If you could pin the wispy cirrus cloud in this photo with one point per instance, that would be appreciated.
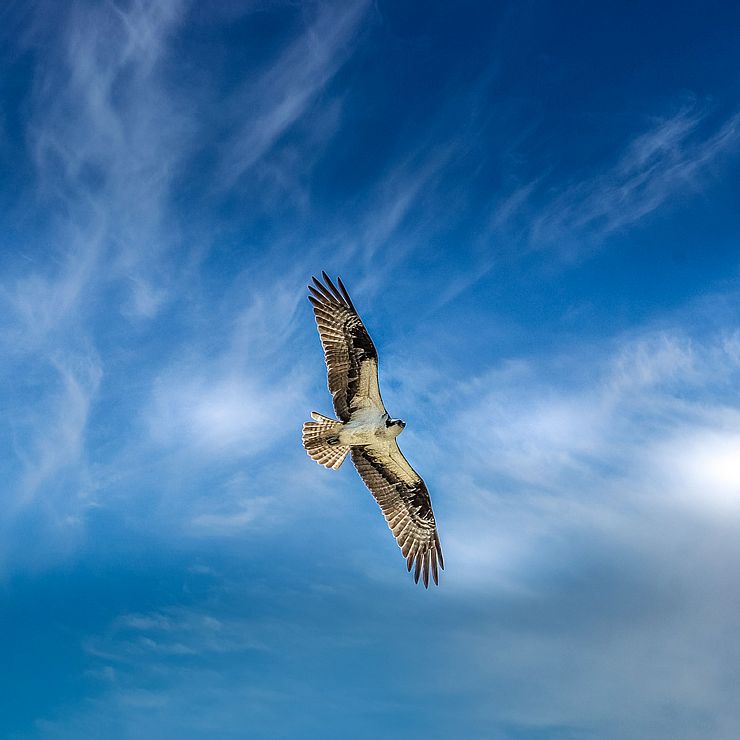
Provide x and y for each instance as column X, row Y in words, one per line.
column 648, row 425
column 674, row 159
column 109, row 135
column 268, row 105
column 107, row 138
column 47, row 461
column 242, row 396
column 671, row 159
column 104, row 140
column 588, row 438
column 63, row 420
column 173, row 631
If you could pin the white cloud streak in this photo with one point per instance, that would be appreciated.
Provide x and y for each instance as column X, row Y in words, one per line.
column 271, row 104
column 105, row 140
column 671, row 159
column 647, row 428
column 109, row 134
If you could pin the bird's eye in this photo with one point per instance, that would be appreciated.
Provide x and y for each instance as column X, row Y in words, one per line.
column 389, row 422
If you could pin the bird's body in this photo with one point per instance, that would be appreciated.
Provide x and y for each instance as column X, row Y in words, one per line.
column 367, row 426
column 367, row 432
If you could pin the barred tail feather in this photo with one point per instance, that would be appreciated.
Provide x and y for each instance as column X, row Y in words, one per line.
column 321, row 443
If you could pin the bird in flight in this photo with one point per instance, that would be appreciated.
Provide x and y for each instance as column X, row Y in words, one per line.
column 366, row 431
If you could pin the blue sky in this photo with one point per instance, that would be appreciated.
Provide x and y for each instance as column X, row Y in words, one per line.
column 534, row 206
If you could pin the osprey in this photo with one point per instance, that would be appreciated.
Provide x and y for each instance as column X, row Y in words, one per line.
column 366, row 431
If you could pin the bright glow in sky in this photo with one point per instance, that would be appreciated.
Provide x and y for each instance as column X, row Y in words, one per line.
column 708, row 465
column 534, row 207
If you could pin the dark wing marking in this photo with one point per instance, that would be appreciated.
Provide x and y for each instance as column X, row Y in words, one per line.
column 351, row 358
column 405, row 502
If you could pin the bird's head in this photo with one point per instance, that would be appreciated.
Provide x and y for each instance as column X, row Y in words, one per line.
column 396, row 425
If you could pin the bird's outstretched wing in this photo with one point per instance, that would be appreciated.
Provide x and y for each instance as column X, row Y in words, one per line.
column 351, row 357
column 405, row 502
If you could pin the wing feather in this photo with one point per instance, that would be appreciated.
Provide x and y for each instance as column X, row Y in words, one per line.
column 337, row 295
column 351, row 357
column 404, row 500
column 346, row 294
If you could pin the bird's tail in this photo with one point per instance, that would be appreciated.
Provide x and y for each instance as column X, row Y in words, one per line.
column 321, row 440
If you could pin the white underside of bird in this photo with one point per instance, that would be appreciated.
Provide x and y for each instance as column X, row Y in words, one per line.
column 368, row 427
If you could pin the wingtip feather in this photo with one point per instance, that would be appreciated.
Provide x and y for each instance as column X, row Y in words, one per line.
column 337, row 295
column 322, row 289
column 435, row 571
column 316, row 293
column 438, row 547
column 346, row 294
